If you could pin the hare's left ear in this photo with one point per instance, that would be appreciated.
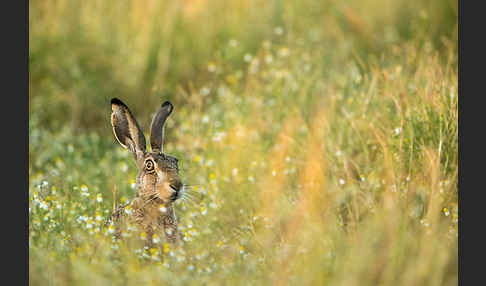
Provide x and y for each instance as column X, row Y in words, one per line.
column 126, row 129
column 157, row 129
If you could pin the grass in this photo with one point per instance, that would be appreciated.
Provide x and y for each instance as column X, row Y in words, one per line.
column 322, row 138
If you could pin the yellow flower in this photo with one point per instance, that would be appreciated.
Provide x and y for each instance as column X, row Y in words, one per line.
column 212, row 176
column 197, row 159
column 162, row 208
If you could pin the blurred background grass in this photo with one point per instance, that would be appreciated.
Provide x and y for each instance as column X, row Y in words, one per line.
column 322, row 134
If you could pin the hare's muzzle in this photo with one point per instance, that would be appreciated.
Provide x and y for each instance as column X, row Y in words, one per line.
column 176, row 191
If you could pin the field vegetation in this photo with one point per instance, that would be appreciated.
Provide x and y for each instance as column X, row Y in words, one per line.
column 320, row 136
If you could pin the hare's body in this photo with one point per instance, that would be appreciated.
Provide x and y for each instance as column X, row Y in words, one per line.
column 157, row 182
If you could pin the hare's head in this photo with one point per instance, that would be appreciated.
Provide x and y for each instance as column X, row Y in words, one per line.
column 158, row 173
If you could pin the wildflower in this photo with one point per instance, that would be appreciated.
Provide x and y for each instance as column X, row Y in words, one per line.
column 123, row 199
column 247, row 57
column 212, row 176
column 84, row 188
column 162, row 208
column 204, row 91
column 168, row 231
column 187, row 236
column 278, row 30
column 143, row 236
column 190, row 267
column 342, row 181
column 197, row 159
column 166, row 248
column 98, row 216
column 446, row 212
column 251, row 179
column 398, row 130
column 89, row 223
column 205, row 119
column 155, row 238
column 235, row 171
column 204, row 211
column 218, row 136
column 283, row 52
column 274, row 173
column 211, row 67
column 233, row 43
column 268, row 59
column 241, row 249
column 362, row 177
column 44, row 205
column 99, row 198
column 128, row 209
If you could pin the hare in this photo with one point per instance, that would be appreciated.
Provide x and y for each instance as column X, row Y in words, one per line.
column 158, row 184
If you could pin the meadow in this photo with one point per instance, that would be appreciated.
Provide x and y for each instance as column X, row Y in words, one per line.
column 320, row 136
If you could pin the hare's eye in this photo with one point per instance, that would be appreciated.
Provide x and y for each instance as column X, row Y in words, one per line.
column 149, row 165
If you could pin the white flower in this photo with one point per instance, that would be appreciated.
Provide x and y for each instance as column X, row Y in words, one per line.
column 278, row 30
column 283, row 52
column 205, row 119
column 204, row 91
column 211, row 67
column 247, row 58
column 398, row 130
column 342, row 181
column 235, row 171
column 233, row 43
column 162, row 208
column 44, row 205
column 268, row 59
column 218, row 136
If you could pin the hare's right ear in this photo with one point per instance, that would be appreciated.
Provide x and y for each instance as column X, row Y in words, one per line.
column 125, row 127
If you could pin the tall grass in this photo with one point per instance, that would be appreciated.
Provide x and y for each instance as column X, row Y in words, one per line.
column 321, row 136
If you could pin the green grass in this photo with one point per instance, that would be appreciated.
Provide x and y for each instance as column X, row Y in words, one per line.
column 322, row 137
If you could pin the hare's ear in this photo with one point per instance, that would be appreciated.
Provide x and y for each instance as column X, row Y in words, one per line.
column 157, row 129
column 126, row 129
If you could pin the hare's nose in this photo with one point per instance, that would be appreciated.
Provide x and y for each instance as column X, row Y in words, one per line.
column 175, row 187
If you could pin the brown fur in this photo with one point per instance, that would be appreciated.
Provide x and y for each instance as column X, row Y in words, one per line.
column 157, row 181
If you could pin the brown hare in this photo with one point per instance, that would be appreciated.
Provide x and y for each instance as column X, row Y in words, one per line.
column 157, row 183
